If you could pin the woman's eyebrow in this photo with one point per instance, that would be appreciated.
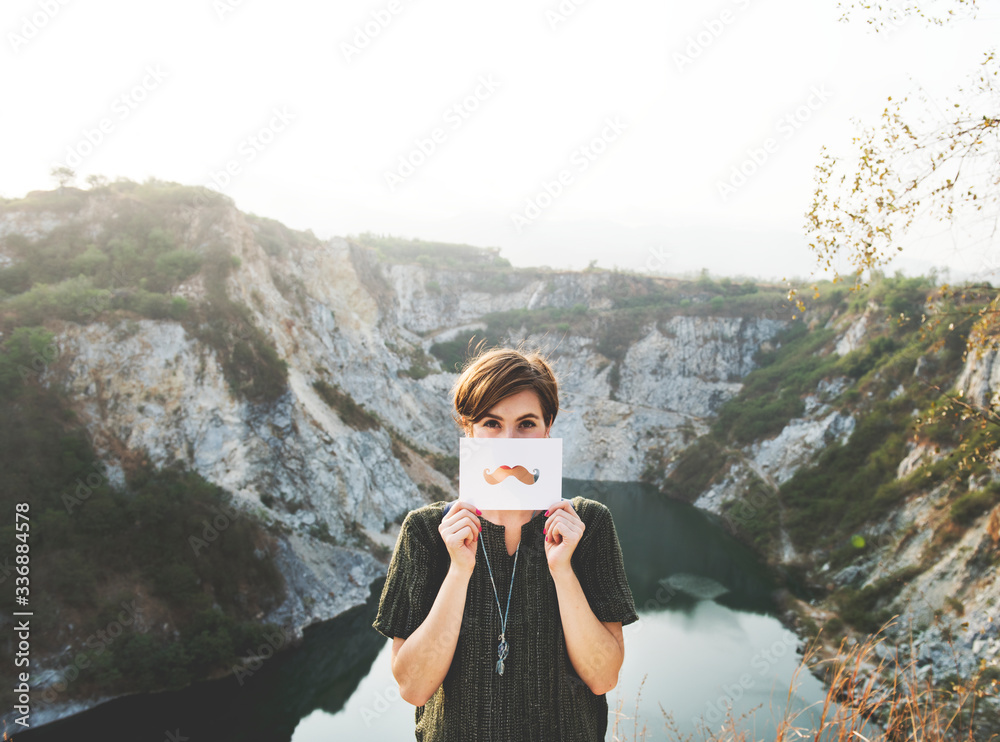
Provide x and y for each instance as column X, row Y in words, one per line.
column 498, row 417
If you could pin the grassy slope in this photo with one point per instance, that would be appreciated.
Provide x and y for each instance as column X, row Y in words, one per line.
column 851, row 487
column 95, row 547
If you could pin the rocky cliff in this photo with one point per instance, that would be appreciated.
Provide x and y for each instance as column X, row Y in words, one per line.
column 361, row 431
column 148, row 385
column 330, row 490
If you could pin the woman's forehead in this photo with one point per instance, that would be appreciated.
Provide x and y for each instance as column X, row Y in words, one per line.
column 518, row 404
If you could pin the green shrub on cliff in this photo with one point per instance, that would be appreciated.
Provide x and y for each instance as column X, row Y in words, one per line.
column 969, row 506
column 82, row 270
column 167, row 536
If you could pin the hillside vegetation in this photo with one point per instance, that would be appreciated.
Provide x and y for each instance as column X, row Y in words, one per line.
column 95, row 547
column 897, row 385
column 201, row 571
column 205, row 573
column 125, row 253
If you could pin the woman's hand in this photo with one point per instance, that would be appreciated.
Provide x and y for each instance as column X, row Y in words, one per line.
column 563, row 531
column 460, row 530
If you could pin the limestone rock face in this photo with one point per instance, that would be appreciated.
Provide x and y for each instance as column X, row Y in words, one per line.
column 695, row 364
column 980, row 378
column 340, row 318
column 428, row 300
column 853, row 336
column 953, row 607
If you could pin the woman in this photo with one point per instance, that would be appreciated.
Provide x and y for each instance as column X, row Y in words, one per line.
column 507, row 625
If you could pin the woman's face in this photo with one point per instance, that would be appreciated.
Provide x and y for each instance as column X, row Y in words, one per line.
column 516, row 416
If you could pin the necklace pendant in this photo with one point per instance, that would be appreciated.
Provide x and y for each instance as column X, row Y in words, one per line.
column 503, row 650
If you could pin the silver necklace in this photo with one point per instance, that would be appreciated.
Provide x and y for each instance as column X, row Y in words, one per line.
column 503, row 648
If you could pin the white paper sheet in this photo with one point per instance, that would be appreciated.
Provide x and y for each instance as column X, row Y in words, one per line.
column 510, row 473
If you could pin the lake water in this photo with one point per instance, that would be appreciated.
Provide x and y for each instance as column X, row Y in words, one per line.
column 707, row 638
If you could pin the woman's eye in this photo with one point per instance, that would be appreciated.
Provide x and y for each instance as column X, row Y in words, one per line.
column 491, row 424
column 528, row 424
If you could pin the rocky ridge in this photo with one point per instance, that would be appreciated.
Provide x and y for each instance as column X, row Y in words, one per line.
column 338, row 315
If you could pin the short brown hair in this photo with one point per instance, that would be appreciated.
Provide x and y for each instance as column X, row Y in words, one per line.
column 493, row 375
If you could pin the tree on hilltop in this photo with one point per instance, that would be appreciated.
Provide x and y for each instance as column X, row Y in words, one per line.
column 63, row 175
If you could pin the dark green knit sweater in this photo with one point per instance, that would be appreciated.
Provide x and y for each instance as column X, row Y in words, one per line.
column 539, row 697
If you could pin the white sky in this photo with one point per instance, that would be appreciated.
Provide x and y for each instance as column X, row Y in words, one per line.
column 650, row 200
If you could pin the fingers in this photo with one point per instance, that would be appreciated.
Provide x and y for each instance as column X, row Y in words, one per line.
column 562, row 506
column 463, row 513
column 464, row 528
column 563, row 530
column 459, row 505
column 460, row 525
column 566, row 505
column 563, row 523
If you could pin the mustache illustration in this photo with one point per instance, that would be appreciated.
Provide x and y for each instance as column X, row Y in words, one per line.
column 518, row 472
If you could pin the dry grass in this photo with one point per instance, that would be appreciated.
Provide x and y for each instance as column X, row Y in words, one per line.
column 868, row 699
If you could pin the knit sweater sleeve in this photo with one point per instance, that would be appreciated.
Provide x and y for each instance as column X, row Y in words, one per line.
column 599, row 566
column 410, row 587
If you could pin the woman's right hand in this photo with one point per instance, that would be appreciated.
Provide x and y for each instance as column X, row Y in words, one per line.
column 460, row 530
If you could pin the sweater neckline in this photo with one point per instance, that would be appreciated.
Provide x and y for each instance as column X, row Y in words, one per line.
column 495, row 535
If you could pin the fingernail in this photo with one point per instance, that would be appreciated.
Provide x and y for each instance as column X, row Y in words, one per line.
column 545, row 530
column 478, row 511
column 546, row 512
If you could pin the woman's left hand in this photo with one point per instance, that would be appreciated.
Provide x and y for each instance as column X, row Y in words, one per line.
column 563, row 531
